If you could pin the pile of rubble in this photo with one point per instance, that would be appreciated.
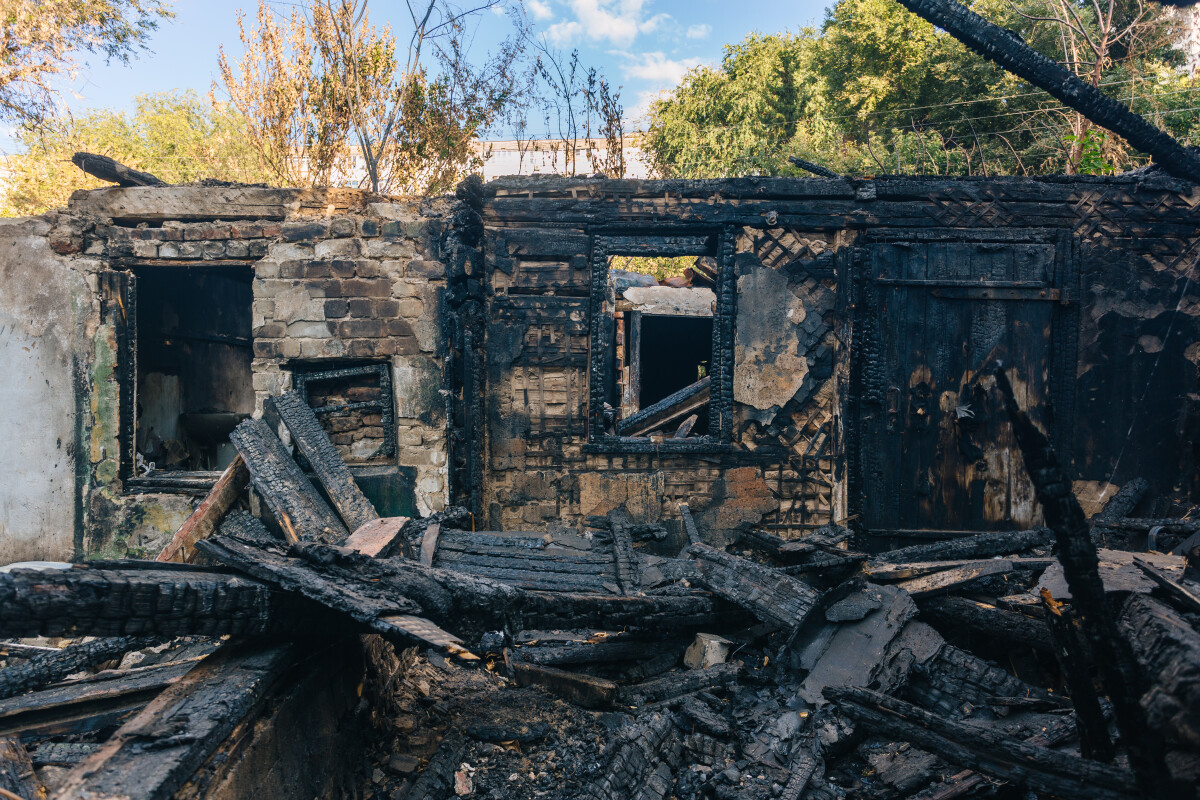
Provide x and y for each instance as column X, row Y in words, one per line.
column 616, row 662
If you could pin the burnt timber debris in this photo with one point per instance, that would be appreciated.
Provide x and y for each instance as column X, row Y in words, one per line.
column 445, row 501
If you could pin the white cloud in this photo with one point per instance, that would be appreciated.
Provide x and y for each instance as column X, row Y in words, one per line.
column 615, row 21
column 657, row 68
column 540, row 10
column 698, row 31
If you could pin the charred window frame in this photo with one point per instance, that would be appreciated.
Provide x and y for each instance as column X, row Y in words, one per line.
column 135, row 293
column 717, row 244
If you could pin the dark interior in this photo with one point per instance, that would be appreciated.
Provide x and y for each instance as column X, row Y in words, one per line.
column 193, row 364
column 676, row 352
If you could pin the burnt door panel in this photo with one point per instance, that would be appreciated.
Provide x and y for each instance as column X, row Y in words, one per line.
column 936, row 452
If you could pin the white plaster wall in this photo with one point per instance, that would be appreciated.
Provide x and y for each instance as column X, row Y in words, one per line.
column 37, row 396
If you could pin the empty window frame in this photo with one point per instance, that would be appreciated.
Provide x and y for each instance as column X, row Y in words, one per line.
column 662, row 355
column 188, row 348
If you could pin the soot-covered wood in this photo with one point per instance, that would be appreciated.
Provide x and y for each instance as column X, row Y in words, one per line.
column 768, row 594
column 985, row 750
column 313, row 443
column 293, row 501
column 49, row 667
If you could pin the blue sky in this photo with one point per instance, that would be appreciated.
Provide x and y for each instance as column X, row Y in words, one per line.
column 642, row 45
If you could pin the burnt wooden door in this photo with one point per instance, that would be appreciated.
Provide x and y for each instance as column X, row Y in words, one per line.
column 936, row 312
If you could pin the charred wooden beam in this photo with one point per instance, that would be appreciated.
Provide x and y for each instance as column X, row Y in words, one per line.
column 50, row 667
column 101, row 701
column 1168, row 648
column 623, row 556
column 312, row 442
column 634, row 759
column 815, row 169
column 955, row 678
column 152, row 755
column 965, row 782
column 17, row 778
column 583, row 690
column 149, row 601
column 1080, row 562
column 550, row 648
column 679, row 684
column 204, row 521
column 768, row 594
column 1094, row 741
column 689, row 525
column 985, row 750
column 983, row 545
column 1123, row 502
column 1178, row 594
column 1006, row 627
column 113, row 171
column 1001, row 46
column 673, row 407
column 294, row 503
column 949, row 580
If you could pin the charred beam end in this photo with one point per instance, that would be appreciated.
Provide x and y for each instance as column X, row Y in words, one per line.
column 679, row 404
column 815, row 169
column 113, row 171
column 49, row 667
column 142, row 602
column 984, row 750
column 768, row 594
column 1080, row 563
column 1001, row 46
column 157, row 751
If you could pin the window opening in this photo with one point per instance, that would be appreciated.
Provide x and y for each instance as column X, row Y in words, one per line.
column 353, row 402
column 193, row 375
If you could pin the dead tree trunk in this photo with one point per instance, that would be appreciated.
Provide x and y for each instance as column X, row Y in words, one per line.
column 1008, row 51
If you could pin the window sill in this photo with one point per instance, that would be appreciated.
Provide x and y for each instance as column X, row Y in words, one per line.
column 622, row 445
column 172, row 482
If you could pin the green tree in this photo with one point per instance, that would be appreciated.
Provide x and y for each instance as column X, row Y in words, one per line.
column 877, row 90
column 44, row 40
column 178, row 136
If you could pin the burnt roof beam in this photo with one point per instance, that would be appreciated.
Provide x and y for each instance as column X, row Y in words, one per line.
column 1010, row 52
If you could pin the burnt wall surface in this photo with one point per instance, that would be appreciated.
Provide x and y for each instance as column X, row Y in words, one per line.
column 1098, row 270
column 338, row 279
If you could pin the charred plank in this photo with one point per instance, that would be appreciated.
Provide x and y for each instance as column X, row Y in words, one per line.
column 296, row 507
column 768, row 594
column 50, row 667
column 113, row 171
column 983, row 545
column 312, row 442
column 204, row 521
column 985, row 750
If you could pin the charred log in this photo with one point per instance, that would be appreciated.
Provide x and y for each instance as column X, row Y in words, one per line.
column 50, row 667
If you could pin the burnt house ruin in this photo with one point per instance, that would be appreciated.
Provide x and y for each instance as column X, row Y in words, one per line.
column 835, row 347
column 478, row 386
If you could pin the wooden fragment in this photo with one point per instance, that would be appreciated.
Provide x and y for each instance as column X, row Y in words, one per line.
column 312, row 442
column 768, row 594
column 113, row 171
column 678, row 684
column 673, row 407
column 1008, row 627
column 986, row 750
column 429, row 543
column 1094, row 741
column 583, row 690
column 1179, row 594
column 953, row 578
column 685, row 428
column 624, row 560
column 887, row 573
column 17, row 778
column 18, row 650
column 293, row 501
column 689, row 525
column 91, row 704
column 50, row 667
column 635, row 761
column 203, row 522
column 155, row 753
column 982, row 545
column 376, row 536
